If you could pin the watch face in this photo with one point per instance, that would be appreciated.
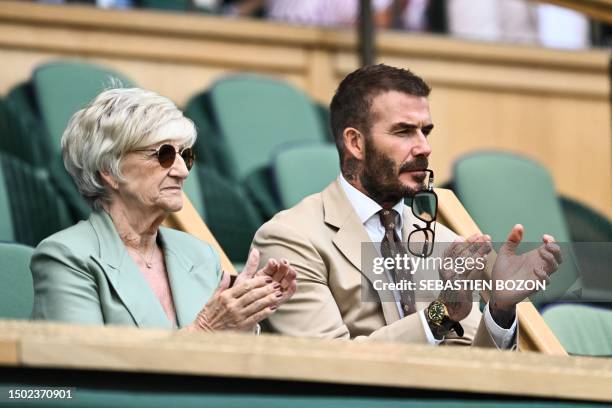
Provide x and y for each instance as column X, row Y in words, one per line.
column 436, row 312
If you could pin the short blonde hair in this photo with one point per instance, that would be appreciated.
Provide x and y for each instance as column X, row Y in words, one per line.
column 115, row 123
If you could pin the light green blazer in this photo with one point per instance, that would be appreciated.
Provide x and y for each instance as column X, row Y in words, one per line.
column 84, row 274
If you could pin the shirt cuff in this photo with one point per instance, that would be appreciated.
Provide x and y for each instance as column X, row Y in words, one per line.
column 430, row 337
column 503, row 338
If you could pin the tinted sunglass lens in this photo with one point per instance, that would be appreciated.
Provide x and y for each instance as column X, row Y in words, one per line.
column 424, row 206
column 188, row 157
column 166, row 156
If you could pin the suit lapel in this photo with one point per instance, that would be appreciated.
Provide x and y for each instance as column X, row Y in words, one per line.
column 187, row 292
column 124, row 276
column 351, row 233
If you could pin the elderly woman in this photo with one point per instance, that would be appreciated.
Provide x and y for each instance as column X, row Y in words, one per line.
column 129, row 152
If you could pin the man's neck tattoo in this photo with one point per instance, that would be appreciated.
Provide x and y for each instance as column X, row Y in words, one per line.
column 350, row 169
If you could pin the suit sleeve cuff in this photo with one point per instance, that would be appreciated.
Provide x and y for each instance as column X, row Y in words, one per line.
column 503, row 338
column 430, row 337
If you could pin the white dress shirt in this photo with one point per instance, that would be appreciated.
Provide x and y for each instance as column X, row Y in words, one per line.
column 367, row 211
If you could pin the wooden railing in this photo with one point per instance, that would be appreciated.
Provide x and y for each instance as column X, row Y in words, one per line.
column 35, row 345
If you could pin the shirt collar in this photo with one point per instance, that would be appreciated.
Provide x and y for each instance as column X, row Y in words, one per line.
column 364, row 206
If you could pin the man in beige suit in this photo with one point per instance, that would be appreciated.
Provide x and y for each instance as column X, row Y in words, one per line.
column 381, row 122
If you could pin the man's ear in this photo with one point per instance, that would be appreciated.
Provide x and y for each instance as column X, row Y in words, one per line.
column 108, row 180
column 354, row 142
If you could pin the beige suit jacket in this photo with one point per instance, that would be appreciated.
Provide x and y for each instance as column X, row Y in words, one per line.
column 322, row 237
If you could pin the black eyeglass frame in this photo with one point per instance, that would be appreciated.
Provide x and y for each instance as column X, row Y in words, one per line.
column 427, row 246
column 189, row 160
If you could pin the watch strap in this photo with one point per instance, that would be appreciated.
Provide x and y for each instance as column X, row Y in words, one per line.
column 456, row 326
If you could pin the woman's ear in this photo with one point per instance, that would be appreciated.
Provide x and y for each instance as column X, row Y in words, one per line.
column 354, row 142
column 108, row 180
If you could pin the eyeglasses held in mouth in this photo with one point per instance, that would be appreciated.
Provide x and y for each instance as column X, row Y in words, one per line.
column 425, row 208
column 166, row 154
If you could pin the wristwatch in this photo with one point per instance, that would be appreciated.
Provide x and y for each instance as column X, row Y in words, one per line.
column 439, row 321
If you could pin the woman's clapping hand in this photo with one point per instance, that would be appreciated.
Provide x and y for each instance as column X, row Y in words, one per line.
column 255, row 295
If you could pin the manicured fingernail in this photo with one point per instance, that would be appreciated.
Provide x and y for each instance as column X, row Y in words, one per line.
column 276, row 286
column 268, row 280
column 279, row 295
column 285, row 262
column 273, row 307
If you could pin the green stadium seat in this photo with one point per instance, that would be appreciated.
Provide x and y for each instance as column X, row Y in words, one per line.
column 63, row 87
column 60, row 89
column 21, row 134
column 585, row 225
column 234, row 228
column 208, row 145
column 581, row 329
column 22, row 97
column 30, row 209
column 7, row 231
column 225, row 208
column 229, row 214
column 193, row 189
column 253, row 116
column 16, row 288
column 501, row 189
column 324, row 115
column 178, row 5
column 303, row 169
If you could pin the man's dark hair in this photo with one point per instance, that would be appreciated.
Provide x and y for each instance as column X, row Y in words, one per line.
column 350, row 106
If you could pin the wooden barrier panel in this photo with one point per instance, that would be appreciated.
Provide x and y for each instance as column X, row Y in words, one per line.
column 8, row 352
column 464, row 369
column 550, row 105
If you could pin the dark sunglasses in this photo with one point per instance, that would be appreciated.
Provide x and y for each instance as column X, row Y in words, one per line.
column 166, row 154
column 425, row 208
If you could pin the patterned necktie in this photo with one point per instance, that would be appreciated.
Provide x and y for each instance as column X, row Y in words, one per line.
column 390, row 247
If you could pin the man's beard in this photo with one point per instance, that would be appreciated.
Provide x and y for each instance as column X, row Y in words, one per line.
column 380, row 179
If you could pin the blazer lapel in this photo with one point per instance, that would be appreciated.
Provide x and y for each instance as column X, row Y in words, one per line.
column 124, row 276
column 351, row 233
column 187, row 292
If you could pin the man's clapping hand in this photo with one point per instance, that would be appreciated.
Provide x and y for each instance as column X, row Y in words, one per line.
column 537, row 264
